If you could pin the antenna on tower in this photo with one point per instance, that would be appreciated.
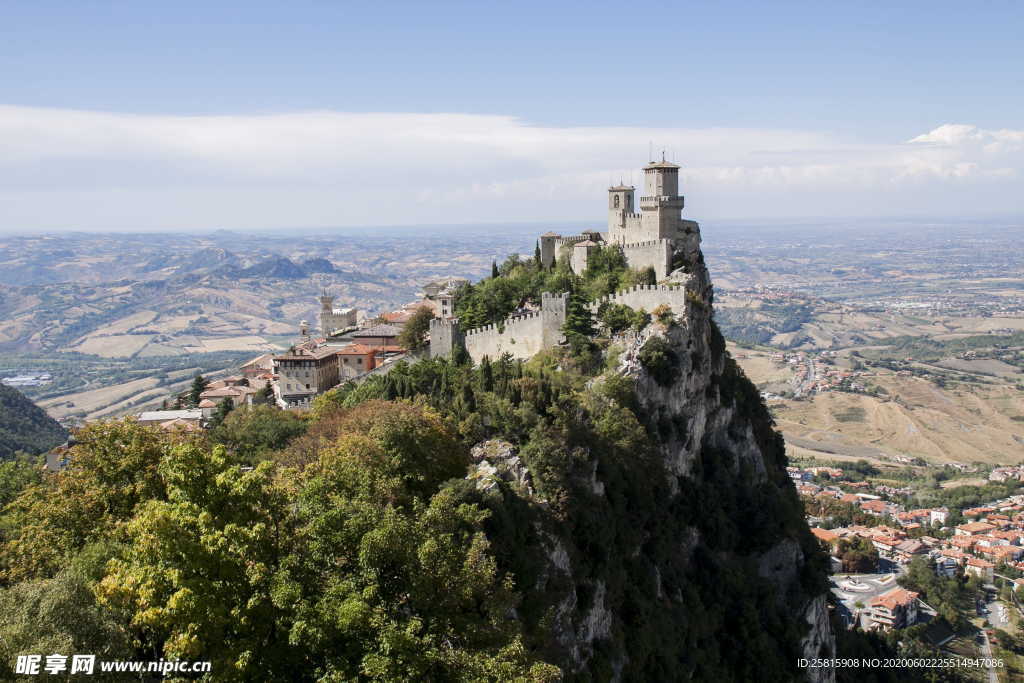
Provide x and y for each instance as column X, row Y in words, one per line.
column 650, row 150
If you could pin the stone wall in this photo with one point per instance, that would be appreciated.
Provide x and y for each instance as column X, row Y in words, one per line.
column 521, row 336
column 647, row 297
column 444, row 335
column 656, row 254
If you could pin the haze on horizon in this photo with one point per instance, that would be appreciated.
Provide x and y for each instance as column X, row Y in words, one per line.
column 255, row 117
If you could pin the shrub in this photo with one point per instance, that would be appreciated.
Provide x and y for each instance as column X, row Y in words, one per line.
column 660, row 361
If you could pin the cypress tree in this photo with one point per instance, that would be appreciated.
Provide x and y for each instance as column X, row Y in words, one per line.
column 494, row 269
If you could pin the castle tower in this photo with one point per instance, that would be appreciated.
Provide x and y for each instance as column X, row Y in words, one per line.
column 326, row 313
column 661, row 204
column 620, row 205
column 548, row 245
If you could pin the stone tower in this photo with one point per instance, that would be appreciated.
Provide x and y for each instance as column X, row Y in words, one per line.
column 548, row 247
column 620, row 207
column 661, row 204
column 326, row 313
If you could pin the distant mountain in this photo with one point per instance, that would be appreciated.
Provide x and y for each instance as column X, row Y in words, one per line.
column 201, row 260
column 24, row 426
column 319, row 265
column 277, row 267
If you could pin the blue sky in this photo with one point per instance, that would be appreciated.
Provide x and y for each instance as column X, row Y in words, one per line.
column 854, row 77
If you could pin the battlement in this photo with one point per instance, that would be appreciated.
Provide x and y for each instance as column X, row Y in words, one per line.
column 522, row 335
column 647, row 297
column 572, row 239
column 649, row 243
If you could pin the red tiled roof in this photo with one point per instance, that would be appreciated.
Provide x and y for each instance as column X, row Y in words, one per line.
column 897, row 597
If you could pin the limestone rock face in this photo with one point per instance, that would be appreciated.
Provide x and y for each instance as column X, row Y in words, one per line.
column 714, row 440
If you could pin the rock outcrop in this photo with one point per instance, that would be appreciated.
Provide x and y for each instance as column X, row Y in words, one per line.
column 718, row 537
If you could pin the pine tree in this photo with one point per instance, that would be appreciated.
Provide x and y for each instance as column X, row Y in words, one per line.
column 223, row 408
column 486, row 374
column 579, row 324
column 199, row 385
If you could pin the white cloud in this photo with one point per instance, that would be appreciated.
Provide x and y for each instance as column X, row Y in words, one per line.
column 92, row 170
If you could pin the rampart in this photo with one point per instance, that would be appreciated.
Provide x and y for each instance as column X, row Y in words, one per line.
column 647, row 297
column 656, row 253
column 522, row 336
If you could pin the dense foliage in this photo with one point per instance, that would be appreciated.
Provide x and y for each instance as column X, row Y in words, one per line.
column 519, row 282
column 24, row 426
column 363, row 542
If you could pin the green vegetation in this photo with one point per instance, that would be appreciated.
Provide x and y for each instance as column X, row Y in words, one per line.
column 761, row 325
column 519, row 282
column 952, row 597
column 926, row 348
column 357, row 547
column 199, row 384
column 25, row 426
column 660, row 361
column 414, row 332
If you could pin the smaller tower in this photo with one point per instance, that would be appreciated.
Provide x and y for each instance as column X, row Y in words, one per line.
column 548, row 243
column 620, row 204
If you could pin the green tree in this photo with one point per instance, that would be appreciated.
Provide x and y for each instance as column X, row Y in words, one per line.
column 199, row 384
column 494, row 270
column 220, row 412
column 112, row 469
column 579, row 324
column 254, row 433
column 61, row 614
column 204, row 575
column 15, row 476
column 414, row 333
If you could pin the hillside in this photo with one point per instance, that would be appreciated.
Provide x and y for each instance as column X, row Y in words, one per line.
column 24, row 426
column 613, row 509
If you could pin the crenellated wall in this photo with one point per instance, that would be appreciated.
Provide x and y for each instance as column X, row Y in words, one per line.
column 655, row 253
column 521, row 336
column 647, row 297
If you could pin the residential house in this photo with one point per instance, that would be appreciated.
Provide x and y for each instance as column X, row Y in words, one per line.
column 979, row 567
column 896, row 608
column 355, row 360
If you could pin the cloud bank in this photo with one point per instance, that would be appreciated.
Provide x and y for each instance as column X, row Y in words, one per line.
column 67, row 169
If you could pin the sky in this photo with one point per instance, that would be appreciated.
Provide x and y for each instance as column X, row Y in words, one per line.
column 206, row 115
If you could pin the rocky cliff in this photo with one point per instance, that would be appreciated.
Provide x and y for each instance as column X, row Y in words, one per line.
column 686, row 557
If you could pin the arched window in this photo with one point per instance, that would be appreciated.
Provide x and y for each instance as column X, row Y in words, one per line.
column 616, row 201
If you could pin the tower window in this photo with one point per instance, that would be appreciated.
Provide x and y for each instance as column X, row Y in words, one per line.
column 616, row 201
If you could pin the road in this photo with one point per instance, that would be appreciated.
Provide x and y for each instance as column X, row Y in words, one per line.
column 986, row 651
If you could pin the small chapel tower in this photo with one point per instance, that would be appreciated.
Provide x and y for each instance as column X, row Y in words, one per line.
column 620, row 207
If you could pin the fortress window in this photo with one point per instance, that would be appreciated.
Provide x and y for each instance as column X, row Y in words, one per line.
column 616, row 201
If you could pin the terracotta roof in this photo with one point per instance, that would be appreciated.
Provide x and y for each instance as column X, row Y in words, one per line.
column 586, row 243
column 550, row 234
column 207, row 403
column 978, row 562
column 976, row 527
column 897, row 597
column 824, row 534
column 356, row 350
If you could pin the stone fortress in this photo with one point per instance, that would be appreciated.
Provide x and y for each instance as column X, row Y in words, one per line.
column 657, row 237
